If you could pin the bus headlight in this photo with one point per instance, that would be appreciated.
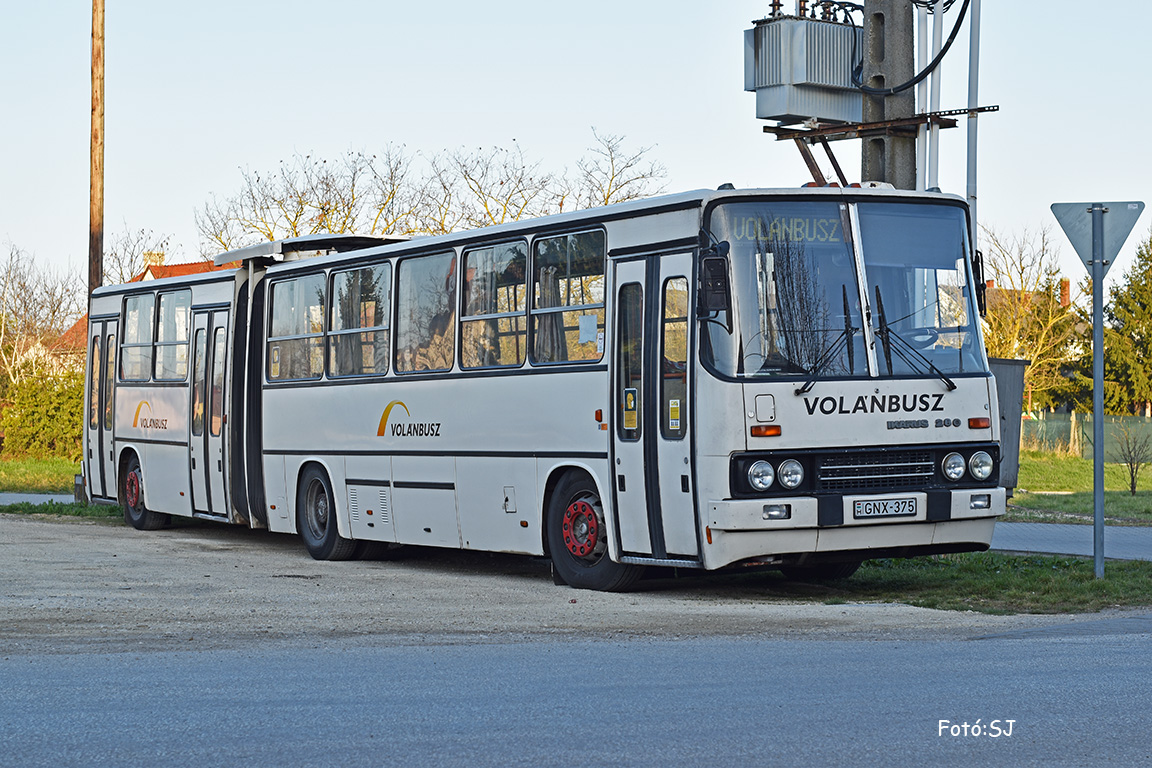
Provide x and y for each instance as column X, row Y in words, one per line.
column 791, row 473
column 953, row 466
column 761, row 475
column 980, row 465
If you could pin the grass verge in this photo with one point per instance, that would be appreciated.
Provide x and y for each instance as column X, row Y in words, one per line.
column 37, row 475
column 1056, row 488
column 987, row 582
column 91, row 511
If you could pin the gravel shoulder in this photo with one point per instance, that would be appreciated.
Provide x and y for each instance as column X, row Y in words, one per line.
column 73, row 586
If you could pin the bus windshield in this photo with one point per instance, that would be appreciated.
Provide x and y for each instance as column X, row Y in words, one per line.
column 796, row 291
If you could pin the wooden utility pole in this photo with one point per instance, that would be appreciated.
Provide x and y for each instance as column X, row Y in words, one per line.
column 96, row 179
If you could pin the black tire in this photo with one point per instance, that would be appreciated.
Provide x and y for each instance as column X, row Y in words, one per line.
column 821, row 572
column 577, row 538
column 135, row 513
column 316, row 518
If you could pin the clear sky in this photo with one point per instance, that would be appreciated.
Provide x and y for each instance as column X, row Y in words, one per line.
column 197, row 91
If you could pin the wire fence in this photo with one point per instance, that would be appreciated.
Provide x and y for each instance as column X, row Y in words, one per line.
column 1071, row 433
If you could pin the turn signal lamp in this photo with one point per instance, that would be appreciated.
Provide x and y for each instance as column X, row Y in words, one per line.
column 765, row 430
column 979, row 422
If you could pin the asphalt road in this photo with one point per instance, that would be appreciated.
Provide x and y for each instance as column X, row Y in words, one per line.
column 204, row 645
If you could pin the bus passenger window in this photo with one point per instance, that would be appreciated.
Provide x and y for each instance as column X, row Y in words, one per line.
column 568, row 298
column 136, row 349
column 493, row 326
column 674, row 360
column 296, row 330
column 426, row 313
column 358, row 330
column 172, row 336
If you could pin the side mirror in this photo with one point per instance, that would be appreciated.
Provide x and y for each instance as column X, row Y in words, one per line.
column 981, row 286
column 715, row 294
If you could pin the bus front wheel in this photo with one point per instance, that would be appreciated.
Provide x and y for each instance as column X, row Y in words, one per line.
column 135, row 513
column 316, row 518
column 578, row 538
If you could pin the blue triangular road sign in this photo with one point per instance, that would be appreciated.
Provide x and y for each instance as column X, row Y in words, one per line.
column 1076, row 221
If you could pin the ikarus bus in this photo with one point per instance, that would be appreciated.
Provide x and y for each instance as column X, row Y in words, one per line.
column 792, row 378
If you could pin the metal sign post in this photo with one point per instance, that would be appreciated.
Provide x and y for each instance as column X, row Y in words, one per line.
column 1097, row 241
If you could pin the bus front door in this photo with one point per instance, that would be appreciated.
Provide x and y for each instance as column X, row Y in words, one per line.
column 652, row 483
column 206, row 442
column 100, row 456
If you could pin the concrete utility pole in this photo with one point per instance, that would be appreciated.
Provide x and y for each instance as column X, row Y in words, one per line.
column 96, row 178
column 889, row 60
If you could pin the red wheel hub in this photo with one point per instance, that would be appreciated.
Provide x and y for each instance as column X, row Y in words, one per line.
column 581, row 529
column 132, row 489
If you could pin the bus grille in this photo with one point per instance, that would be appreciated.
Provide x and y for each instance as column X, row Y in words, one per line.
column 875, row 470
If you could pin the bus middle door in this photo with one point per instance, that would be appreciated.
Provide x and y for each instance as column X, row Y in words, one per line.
column 206, row 443
column 655, row 506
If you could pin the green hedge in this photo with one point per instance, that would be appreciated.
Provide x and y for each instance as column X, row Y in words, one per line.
column 44, row 417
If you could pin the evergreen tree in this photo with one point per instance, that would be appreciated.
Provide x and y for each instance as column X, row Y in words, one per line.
column 1128, row 315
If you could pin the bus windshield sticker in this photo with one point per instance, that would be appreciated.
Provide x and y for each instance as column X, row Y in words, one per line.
column 275, row 372
column 673, row 414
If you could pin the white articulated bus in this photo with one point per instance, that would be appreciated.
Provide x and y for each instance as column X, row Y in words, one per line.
column 783, row 377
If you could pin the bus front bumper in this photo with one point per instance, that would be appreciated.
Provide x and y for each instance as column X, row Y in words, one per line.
column 873, row 525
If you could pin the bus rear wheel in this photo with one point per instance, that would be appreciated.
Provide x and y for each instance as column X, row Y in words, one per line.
column 135, row 513
column 316, row 518
column 577, row 538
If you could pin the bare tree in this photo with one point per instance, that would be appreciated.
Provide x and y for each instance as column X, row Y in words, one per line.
column 365, row 194
column 1027, row 316
column 484, row 188
column 124, row 254
column 610, row 173
column 1133, row 450
column 388, row 193
column 37, row 304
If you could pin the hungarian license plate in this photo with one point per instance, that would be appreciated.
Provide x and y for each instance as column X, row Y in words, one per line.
column 868, row 508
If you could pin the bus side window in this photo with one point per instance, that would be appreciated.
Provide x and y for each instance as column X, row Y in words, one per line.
column 358, row 328
column 492, row 325
column 296, row 329
column 136, row 346
column 674, row 359
column 568, row 298
column 171, row 356
column 426, row 313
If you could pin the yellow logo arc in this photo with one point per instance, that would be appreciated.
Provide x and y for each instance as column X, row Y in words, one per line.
column 384, row 419
column 136, row 418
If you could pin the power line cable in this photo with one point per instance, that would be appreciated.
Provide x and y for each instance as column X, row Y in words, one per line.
column 858, row 70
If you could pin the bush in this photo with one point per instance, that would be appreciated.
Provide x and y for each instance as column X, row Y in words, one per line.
column 44, row 417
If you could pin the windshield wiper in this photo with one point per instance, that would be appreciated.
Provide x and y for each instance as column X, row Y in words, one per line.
column 843, row 340
column 895, row 343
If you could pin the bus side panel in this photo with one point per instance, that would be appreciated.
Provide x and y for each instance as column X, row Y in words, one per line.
column 166, row 480
column 367, row 491
column 424, row 497
column 497, row 497
column 279, row 512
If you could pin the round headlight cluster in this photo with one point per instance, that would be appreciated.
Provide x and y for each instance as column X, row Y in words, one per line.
column 980, row 465
column 762, row 474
